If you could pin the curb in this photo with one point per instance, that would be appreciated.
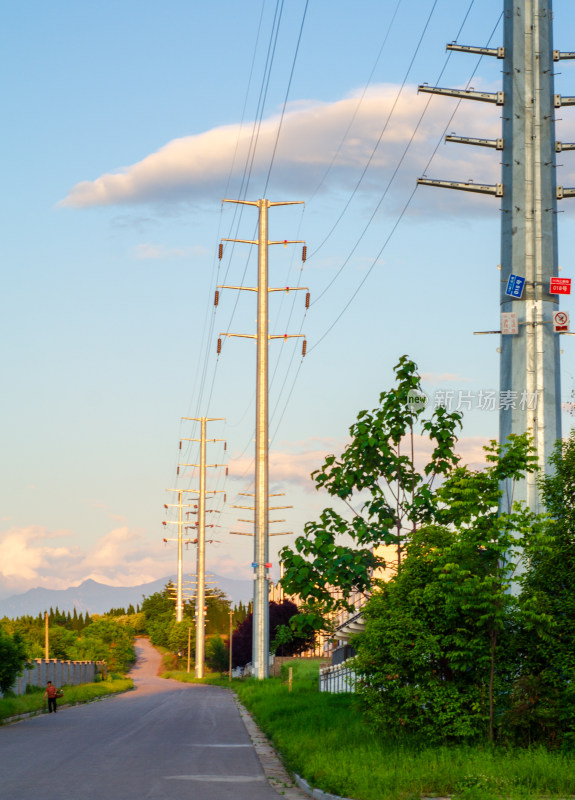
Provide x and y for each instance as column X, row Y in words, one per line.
column 317, row 793
column 295, row 788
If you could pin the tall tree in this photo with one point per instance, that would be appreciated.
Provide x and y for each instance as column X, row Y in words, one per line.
column 13, row 658
column 438, row 656
column 544, row 696
column 281, row 614
column 376, row 472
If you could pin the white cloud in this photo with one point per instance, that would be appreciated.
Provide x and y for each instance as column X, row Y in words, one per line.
column 470, row 448
column 24, row 553
column 287, row 466
column 34, row 556
column 196, row 168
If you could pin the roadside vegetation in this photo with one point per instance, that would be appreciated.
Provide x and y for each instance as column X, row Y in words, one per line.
column 324, row 738
column 471, row 639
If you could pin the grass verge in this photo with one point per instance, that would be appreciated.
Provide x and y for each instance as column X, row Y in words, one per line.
column 323, row 738
column 84, row 693
column 213, row 679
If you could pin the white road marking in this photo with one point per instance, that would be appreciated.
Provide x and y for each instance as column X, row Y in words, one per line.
column 221, row 745
column 216, row 778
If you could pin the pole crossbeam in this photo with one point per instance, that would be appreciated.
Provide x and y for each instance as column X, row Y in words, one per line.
column 243, row 533
column 270, row 508
column 465, row 186
column 562, row 100
column 205, row 465
column 464, row 94
column 498, row 52
column 497, row 144
column 286, row 289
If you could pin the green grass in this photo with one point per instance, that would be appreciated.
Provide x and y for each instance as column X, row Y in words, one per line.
column 213, row 679
column 84, row 693
column 322, row 737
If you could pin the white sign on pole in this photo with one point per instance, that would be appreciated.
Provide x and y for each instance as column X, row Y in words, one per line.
column 561, row 322
column 509, row 322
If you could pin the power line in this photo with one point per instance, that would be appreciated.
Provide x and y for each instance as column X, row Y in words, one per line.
column 408, row 202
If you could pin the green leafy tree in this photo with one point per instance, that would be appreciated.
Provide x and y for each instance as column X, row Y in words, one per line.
column 62, row 642
column 13, row 658
column 438, row 655
column 217, row 654
column 177, row 636
column 218, row 607
column 159, row 614
column 107, row 640
column 544, row 696
column 376, row 470
column 281, row 615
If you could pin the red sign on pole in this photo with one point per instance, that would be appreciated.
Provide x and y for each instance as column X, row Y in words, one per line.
column 560, row 286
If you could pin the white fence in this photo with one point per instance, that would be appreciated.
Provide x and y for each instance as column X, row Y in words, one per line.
column 340, row 678
column 61, row 673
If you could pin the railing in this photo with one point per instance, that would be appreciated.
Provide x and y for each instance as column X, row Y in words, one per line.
column 338, row 679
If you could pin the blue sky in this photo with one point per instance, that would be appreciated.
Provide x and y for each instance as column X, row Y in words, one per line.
column 124, row 126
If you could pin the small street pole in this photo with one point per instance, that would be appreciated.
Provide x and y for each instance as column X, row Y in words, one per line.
column 46, row 636
column 189, row 645
column 231, row 624
column 179, row 601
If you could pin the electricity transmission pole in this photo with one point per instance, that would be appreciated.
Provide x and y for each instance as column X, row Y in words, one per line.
column 270, row 521
column 180, row 540
column 530, row 396
column 261, row 546
column 201, row 551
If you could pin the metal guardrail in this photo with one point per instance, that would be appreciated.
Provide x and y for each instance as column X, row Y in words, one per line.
column 338, row 679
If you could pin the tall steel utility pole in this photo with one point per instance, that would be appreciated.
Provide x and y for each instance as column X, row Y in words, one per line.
column 201, row 551
column 180, row 540
column 530, row 364
column 261, row 549
column 530, row 394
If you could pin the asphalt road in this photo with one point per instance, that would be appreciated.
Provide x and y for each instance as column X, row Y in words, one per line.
column 163, row 741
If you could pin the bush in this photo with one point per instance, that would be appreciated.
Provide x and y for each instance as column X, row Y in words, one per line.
column 13, row 658
column 217, row 654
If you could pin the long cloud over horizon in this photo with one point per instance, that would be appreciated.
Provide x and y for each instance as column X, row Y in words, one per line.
column 315, row 152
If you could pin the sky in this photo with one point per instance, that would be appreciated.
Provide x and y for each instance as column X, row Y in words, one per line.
column 125, row 126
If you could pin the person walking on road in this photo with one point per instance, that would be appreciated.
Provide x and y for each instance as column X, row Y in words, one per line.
column 51, row 693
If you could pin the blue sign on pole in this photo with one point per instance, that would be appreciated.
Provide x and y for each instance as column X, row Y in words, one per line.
column 515, row 286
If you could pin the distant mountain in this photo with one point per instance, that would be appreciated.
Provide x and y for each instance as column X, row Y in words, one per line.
column 98, row 598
